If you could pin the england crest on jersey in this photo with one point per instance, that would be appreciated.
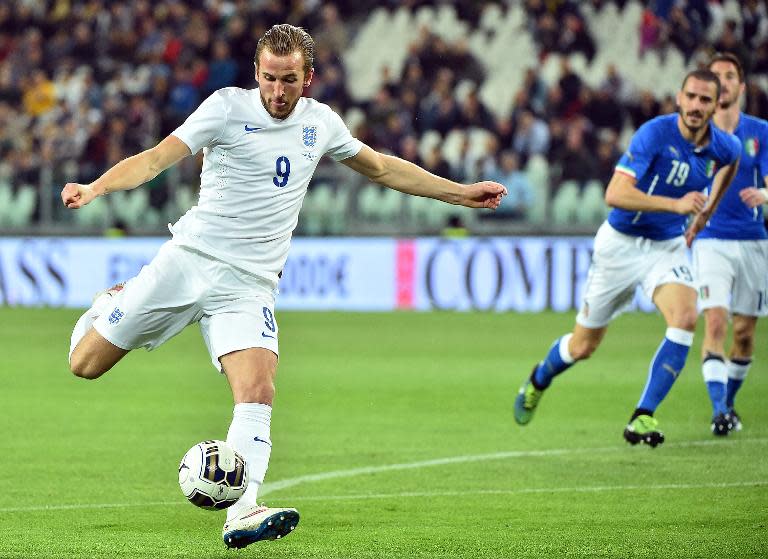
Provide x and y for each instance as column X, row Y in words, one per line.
column 309, row 136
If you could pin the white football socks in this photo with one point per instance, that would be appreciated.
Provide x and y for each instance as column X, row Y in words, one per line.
column 738, row 371
column 85, row 322
column 249, row 435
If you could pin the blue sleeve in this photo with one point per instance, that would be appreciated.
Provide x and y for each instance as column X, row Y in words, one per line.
column 762, row 157
column 735, row 149
column 642, row 149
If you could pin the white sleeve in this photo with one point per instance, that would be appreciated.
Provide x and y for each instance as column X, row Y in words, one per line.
column 204, row 126
column 342, row 144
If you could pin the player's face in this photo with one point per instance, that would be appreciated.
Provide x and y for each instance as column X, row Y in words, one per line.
column 281, row 80
column 730, row 86
column 696, row 103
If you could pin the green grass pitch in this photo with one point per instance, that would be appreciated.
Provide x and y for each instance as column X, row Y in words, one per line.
column 393, row 436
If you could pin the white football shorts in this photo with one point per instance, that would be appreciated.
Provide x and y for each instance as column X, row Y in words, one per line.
column 732, row 275
column 622, row 262
column 235, row 309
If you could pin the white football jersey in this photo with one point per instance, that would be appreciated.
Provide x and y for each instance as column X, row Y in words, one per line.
column 256, row 170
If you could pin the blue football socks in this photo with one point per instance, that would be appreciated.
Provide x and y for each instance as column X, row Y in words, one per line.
column 715, row 373
column 737, row 372
column 665, row 367
column 557, row 360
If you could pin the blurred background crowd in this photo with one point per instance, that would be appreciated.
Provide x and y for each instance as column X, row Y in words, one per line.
column 541, row 95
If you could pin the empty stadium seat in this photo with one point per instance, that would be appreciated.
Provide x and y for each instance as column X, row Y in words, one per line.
column 565, row 203
column 95, row 215
column 184, row 197
column 592, row 208
column 133, row 209
column 16, row 209
column 537, row 171
column 325, row 210
column 377, row 204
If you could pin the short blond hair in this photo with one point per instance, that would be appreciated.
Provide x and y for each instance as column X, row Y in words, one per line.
column 284, row 39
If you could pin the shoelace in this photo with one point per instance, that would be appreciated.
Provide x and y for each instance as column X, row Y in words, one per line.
column 647, row 424
column 532, row 397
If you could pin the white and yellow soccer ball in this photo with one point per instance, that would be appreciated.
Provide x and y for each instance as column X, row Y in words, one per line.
column 212, row 475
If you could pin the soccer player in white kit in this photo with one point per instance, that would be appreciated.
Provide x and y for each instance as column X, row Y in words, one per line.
column 220, row 269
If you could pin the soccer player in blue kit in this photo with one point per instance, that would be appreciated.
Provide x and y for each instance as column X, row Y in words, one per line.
column 730, row 255
column 658, row 182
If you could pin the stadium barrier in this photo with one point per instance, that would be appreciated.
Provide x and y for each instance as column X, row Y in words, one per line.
column 520, row 274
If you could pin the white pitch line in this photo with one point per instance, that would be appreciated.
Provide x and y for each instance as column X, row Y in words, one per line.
column 337, row 474
column 310, row 478
column 535, row 490
column 85, row 506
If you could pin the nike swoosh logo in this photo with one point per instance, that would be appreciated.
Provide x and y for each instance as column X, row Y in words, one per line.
column 670, row 370
column 258, row 440
column 265, row 335
column 254, row 129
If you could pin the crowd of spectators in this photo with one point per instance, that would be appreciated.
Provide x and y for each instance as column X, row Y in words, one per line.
column 90, row 82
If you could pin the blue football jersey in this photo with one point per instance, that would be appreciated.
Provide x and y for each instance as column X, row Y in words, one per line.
column 666, row 164
column 733, row 219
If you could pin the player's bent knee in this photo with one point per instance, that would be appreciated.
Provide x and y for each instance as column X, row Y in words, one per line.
column 717, row 326
column 83, row 367
column 743, row 342
column 685, row 319
column 583, row 349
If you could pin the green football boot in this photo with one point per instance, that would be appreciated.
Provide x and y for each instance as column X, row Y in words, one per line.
column 644, row 429
column 526, row 401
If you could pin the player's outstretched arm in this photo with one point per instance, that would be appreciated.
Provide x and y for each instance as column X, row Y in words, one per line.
column 406, row 177
column 128, row 173
column 622, row 193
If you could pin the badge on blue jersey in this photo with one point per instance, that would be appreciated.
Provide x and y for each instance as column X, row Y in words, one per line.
column 751, row 146
column 711, row 168
column 673, row 151
column 309, row 136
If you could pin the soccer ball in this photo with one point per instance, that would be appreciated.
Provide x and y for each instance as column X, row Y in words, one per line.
column 212, row 475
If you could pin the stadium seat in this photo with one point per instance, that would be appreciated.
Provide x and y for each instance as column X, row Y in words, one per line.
column 452, row 145
column 491, row 17
column 6, row 202
column 16, row 209
column 565, row 203
column 625, row 136
column 430, row 214
column 550, row 70
column 592, row 208
column 23, row 205
column 732, row 10
column 578, row 62
column 316, row 209
column 478, row 142
column 377, row 204
column 354, row 118
column 336, row 223
column 133, row 209
column 325, row 210
column 462, row 90
column 448, row 25
column 478, row 43
column 95, row 215
column 537, row 171
column 429, row 140
column 184, row 196
column 516, row 17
